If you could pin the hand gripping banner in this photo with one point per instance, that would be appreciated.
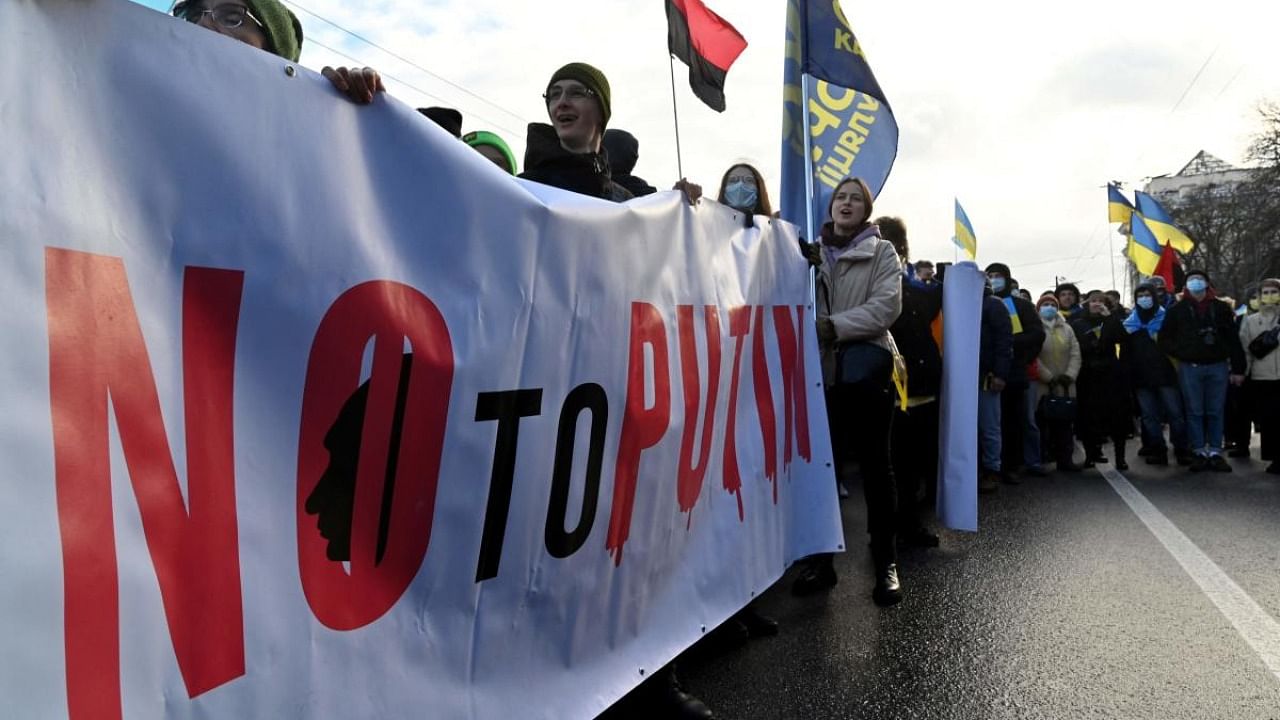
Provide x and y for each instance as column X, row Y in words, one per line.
column 312, row 412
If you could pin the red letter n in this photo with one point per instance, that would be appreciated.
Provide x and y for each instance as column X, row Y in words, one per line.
column 795, row 399
column 96, row 352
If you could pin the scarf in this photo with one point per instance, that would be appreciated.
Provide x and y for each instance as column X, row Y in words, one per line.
column 1152, row 325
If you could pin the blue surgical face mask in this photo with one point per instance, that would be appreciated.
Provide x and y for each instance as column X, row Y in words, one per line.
column 741, row 195
column 1048, row 312
column 1197, row 286
column 997, row 284
column 1146, row 302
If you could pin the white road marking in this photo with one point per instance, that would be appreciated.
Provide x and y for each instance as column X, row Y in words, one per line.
column 1259, row 629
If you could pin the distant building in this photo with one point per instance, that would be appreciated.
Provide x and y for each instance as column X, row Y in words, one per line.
column 1204, row 169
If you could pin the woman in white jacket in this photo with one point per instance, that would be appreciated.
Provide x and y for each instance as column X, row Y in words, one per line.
column 1264, row 372
column 859, row 296
column 1057, row 369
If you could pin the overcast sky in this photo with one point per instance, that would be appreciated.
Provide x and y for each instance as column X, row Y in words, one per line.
column 1022, row 110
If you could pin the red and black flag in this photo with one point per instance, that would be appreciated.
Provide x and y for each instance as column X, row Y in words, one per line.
column 707, row 44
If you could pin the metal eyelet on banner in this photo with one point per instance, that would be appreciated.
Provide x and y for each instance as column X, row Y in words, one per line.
column 290, row 70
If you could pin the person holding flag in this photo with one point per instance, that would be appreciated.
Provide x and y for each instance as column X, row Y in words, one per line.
column 859, row 296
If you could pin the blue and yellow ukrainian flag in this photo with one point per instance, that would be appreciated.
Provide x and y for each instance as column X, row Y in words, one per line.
column 1118, row 207
column 1161, row 225
column 965, row 237
column 1144, row 247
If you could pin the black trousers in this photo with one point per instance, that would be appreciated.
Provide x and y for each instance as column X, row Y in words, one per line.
column 1265, row 396
column 861, row 417
column 914, row 456
column 1239, row 415
column 1013, row 425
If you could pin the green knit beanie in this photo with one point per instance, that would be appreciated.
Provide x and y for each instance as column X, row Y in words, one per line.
column 590, row 77
column 484, row 137
column 284, row 32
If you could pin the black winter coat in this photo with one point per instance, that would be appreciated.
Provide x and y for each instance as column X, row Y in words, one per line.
column 1205, row 338
column 1099, row 336
column 1026, row 344
column 995, row 355
column 913, row 333
column 1148, row 366
column 547, row 162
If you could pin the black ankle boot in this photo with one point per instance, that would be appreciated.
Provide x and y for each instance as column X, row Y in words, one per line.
column 888, row 590
column 818, row 575
column 1120, row 461
column 757, row 625
column 669, row 700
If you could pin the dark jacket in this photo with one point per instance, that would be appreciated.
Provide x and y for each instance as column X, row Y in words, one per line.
column 995, row 355
column 1148, row 366
column 913, row 333
column 547, row 162
column 1099, row 336
column 1202, row 335
column 624, row 151
column 1026, row 344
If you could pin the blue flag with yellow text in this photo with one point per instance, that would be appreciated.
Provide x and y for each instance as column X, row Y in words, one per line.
column 849, row 120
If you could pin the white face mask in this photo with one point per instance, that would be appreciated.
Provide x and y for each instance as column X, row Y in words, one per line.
column 1048, row 312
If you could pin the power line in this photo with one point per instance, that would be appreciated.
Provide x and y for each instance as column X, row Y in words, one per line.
column 406, row 60
column 313, row 41
column 1192, row 84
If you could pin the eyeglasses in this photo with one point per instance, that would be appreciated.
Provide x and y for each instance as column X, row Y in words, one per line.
column 227, row 15
column 572, row 93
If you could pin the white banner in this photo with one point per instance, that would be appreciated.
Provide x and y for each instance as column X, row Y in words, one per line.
column 312, row 412
column 957, row 504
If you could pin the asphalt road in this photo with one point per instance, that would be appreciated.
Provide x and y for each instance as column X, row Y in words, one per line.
column 1065, row 604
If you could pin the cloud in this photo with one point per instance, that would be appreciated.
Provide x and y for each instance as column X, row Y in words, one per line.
column 1117, row 76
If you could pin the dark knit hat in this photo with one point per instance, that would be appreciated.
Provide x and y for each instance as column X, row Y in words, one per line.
column 999, row 268
column 1067, row 286
column 477, row 138
column 593, row 79
column 1202, row 273
column 284, row 32
column 1145, row 287
column 447, row 118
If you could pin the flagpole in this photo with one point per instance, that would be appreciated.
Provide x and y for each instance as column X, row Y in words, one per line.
column 1111, row 251
column 808, row 157
column 676, row 114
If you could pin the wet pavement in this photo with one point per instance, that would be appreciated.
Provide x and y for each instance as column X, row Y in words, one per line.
column 1063, row 605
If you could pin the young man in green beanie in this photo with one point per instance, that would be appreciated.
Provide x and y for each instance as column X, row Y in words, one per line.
column 567, row 153
column 269, row 25
column 264, row 24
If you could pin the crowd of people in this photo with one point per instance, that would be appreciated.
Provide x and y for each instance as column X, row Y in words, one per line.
column 1062, row 368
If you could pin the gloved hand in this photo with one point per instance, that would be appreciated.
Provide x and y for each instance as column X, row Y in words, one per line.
column 826, row 329
column 812, row 252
